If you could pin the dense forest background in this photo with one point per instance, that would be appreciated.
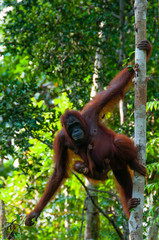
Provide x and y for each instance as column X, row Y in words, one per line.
column 48, row 51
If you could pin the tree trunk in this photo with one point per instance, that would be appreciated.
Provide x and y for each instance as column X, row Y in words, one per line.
column 92, row 215
column 2, row 214
column 126, row 231
column 66, row 212
column 97, row 66
column 122, row 32
column 121, row 52
column 121, row 102
column 153, row 229
column 3, row 220
column 136, row 217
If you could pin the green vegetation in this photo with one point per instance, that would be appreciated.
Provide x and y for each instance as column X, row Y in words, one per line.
column 48, row 52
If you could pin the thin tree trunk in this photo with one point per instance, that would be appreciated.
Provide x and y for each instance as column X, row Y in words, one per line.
column 3, row 220
column 2, row 214
column 122, row 32
column 126, row 232
column 92, row 214
column 153, row 229
column 121, row 102
column 136, row 217
column 97, row 66
column 121, row 111
column 121, row 52
column 66, row 212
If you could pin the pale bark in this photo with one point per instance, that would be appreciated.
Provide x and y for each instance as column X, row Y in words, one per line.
column 121, row 102
column 3, row 220
column 92, row 215
column 121, row 111
column 121, row 52
column 97, row 66
column 153, row 229
column 136, row 217
column 66, row 211
column 3, row 228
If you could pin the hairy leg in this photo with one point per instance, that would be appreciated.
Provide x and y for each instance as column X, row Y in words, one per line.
column 124, row 180
column 126, row 151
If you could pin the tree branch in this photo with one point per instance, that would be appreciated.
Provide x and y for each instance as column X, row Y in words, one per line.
column 102, row 191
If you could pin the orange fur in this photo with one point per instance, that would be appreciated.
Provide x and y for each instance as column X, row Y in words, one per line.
column 123, row 200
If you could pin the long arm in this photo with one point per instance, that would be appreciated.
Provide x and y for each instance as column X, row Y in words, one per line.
column 106, row 100
column 60, row 173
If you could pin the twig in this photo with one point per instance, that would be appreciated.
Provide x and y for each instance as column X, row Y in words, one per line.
column 115, row 15
column 38, row 138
